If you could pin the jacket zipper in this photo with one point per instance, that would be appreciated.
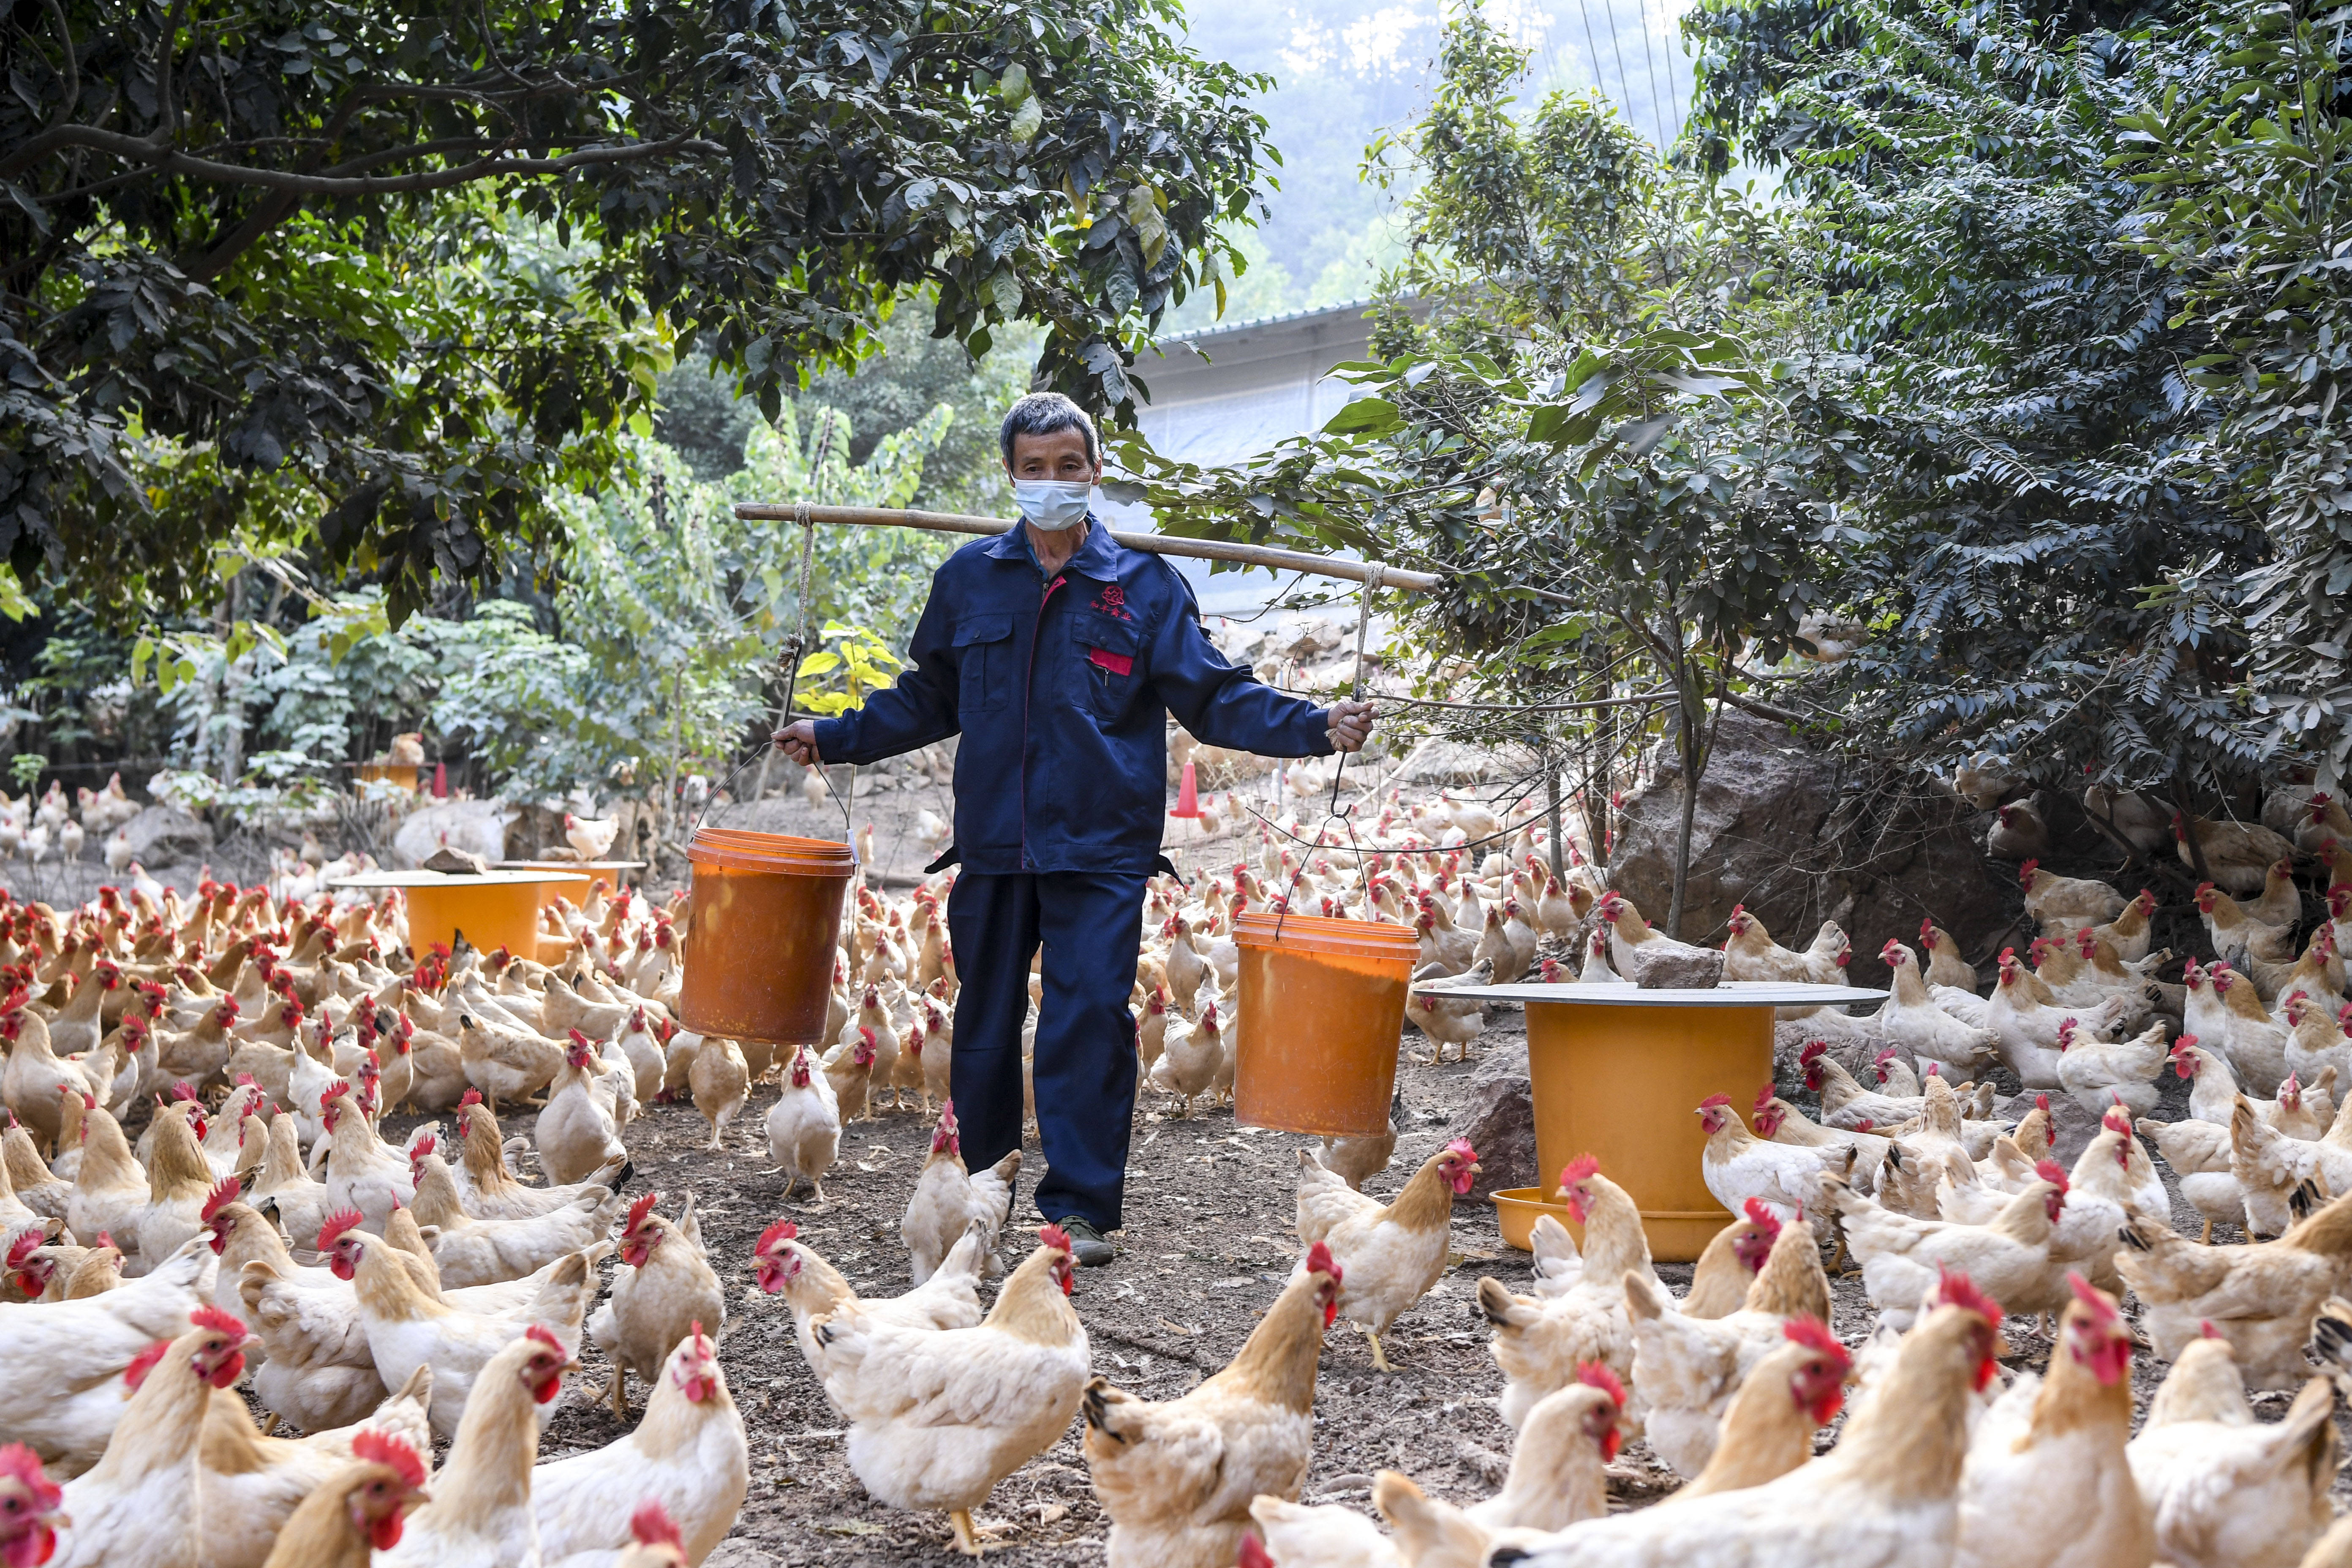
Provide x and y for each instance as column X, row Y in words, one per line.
column 1026, row 681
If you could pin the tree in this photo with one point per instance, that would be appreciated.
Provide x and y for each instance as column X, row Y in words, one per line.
column 1582, row 441
column 269, row 252
column 2044, row 561
column 2241, row 145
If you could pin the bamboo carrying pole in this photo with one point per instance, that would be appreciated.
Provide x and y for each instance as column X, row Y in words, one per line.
column 1149, row 543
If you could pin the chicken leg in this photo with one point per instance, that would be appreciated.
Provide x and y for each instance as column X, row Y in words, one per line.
column 1379, row 1359
column 966, row 1540
column 620, row 1393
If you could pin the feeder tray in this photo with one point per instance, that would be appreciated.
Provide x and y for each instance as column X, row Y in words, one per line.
column 1616, row 1071
column 495, row 908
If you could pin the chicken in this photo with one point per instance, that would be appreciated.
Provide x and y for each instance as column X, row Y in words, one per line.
column 849, row 1073
column 1750, row 954
column 2235, row 935
column 61, row 1364
column 2052, row 1448
column 688, row 1459
column 1902, row 1256
column 152, row 1473
column 1737, row 1165
column 2271, row 1167
column 2255, row 1042
column 1945, row 964
column 481, row 1513
column 488, row 1190
column 1329, row 1536
column 1576, row 1317
column 664, row 1291
column 721, row 1082
column 1885, row 1497
column 2027, row 1029
column 2050, row 896
column 1448, row 1020
column 1910, row 1018
column 1686, row 1370
column 948, row 1200
column 2018, row 833
column 1356, row 1159
column 938, row 1418
column 591, row 838
column 364, row 1173
column 1391, row 1253
column 1176, row 1477
column 2259, row 1297
column 467, row 1252
column 804, row 1126
column 408, row 1327
column 2237, row 855
column 1636, row 950
column 2098, row 1073
column 2225, row 1489
column 35, row 1072
column 1729, row 1263
column 357, row 1511
column 110, row 1186
column 1766, row 1430
column 318, row 1373
column 575, row 1135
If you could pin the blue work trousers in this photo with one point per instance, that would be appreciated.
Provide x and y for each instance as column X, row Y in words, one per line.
column 1091, row 925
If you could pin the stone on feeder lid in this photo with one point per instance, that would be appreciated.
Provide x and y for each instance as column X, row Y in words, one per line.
column 455, row 862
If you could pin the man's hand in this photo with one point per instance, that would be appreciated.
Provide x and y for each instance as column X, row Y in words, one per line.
column 797, row 741
column 1351, row 725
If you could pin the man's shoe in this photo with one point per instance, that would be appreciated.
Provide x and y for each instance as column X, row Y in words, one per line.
column 1086, row 1244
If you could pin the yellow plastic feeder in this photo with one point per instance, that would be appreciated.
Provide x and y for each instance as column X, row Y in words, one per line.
column 1322, row 1014
column 1617, row 1072
column 611, row 870
column 495, row 908
column 400, row 774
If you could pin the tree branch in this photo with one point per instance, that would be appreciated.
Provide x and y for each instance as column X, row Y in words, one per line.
column 168, row 161
column 66, row 110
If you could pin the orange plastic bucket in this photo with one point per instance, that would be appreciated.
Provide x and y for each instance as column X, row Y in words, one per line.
column 1322, row 1017
column 761, row 938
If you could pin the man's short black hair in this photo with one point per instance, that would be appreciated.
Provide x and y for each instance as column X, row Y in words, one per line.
column 1047, row 413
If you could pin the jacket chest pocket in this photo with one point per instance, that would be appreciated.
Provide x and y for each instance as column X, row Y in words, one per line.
column 983, row 646
column 1106, row 649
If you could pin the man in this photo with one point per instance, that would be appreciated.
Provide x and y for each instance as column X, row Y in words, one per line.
column 1057, row 656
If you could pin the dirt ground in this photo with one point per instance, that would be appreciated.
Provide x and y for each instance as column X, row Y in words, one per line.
column 1209, row 1240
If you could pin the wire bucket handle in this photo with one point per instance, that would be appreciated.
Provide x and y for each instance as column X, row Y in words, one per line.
column 788, row 664
column 1373, row 570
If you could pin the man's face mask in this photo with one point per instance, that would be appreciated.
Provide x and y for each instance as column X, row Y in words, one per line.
column 1054, row 505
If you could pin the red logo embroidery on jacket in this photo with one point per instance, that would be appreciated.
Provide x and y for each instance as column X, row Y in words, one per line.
column 1112, row 601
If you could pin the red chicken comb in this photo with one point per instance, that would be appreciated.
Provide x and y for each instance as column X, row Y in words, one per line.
column 1593, row 1374
column 211, row 1317
column 393, row 1452
column 1810, row 1331
column 1054, row 1237
column 1714, row 1099
column 2118, row 1118
column 1319, row 1261
column 2041, row 1103
column 2206, row 1330
column 471, row 1097
column 2025, row 872
column 1927, row 931
column 144, row 1363
column 1579, row 1169
column 2097, row 1302
column 1460, row 1147
column 1762, row 1217
column 21, row 1250
column 1956, row 1290
column 652, row 1525
column 1814, row 1051
column 783, row 1230
column 23, row 1465
column 638, row 1210
column 338, row 1223
column 579, row 1038
column 2052, row 1172
column 1764, row 1096
column 545, row 1336
column 227, row 1193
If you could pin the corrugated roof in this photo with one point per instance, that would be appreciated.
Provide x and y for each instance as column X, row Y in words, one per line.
column 1223, row 329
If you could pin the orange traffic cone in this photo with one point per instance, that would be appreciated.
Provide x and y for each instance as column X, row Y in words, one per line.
column 1188, row 796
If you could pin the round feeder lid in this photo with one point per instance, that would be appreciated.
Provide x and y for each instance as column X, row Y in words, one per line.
column 1625, row 994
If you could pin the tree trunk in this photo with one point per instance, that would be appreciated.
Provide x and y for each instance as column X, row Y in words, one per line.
column 1551, row 819
column 1686, row 742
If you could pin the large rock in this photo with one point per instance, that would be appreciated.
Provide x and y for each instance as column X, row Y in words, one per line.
column 470, row 827
column 1799, row 836
column 165, row 836
column 1656, row 966
column 1499, row 1120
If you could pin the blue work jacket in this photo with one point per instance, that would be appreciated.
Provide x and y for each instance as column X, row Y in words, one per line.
column 1060, row 687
